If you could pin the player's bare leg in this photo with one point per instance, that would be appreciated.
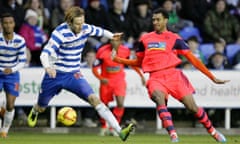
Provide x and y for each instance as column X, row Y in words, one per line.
column 160, row 99
column 202, row 117
column 8, row 115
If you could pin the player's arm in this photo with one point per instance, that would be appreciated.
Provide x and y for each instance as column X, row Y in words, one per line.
column 139, row 72
column 95, row 69
column 199, row 65
column 96, row 73
column 133, row 62
column 100, row 32
column 182, row 48
column 50, row 50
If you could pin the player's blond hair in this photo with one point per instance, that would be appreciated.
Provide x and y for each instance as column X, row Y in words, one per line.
column 72, row 13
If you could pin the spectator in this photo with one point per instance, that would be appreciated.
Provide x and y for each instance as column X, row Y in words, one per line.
column 236, row 61
column 85, row 3
column 236, row 11
column 193, row 44
column 43, row 13
column 175, row 23
column 195, row 11
column 194, row 48
column 218, row 61
column 220, row 46
column 50, row 4
column 220, row 24
column 35, row 36
column 12, row 7
column 57, row 16
column 141, row 19
column 119, row 22
column 96, row 14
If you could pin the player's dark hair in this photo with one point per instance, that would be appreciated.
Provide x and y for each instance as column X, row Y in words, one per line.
column 161, row 11
column 5, row 15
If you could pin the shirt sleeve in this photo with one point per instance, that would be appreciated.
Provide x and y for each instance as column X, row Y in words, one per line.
column 51, row 48
column 97, row 31
column 181, row 47
column 22, row 57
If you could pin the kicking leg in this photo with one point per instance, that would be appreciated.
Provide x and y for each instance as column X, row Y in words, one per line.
column 202, row 117
column 106, row 114
column 33, row 115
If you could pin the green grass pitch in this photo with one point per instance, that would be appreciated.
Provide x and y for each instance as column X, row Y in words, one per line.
column 76, row 138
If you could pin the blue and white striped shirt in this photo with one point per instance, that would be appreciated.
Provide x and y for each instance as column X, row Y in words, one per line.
column 66, row 47
column 12, row 53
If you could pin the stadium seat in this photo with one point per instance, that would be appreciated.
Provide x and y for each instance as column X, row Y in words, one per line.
column 207, row 49
column 188, row 32
column 231, row 50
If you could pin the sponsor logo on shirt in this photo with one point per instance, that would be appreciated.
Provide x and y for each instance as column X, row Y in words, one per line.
column 157, row 45
column 113, row 69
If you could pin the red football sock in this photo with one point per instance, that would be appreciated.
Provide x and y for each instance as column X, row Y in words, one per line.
column 103, row 123
column 202, row 117
column 118, row 113
column 166, row 118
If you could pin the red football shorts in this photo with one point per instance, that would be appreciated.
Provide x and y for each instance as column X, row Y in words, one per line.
column 116, row 87
column 170, row 81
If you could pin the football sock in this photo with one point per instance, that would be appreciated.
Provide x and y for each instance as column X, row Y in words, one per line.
column 118, row 113
column 8, row 117
column 106, row 114
column 202, row 117
column 103, row 123
column 166, row 118
column 35, row 111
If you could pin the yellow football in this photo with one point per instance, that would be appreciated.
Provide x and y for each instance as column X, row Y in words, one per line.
column 67, row 116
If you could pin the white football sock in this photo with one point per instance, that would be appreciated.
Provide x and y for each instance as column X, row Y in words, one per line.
column 8, row 118
column 106, row 114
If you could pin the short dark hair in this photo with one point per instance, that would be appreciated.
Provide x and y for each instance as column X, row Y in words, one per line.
column 6, row 15
column 193, row 38
column 162, row 11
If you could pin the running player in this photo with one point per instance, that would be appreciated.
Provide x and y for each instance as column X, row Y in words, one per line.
column 65, row 46
column 112, row 81
column 157, row 55
column 12, row 58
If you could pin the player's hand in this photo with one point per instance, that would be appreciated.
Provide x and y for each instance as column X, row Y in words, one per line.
column 104, row 81
column 51, row 72
column 218, row 81
column 7, row 71
column 117, row 36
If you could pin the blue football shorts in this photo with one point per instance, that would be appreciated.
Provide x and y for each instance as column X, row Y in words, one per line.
column 10, row 83
column 73, row 82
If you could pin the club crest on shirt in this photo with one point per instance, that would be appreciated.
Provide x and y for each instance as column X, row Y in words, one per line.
column 157, row 45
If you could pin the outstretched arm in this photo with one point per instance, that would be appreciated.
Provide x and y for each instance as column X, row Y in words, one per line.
column 133, row 62
column 199, row 65
column 98, row 75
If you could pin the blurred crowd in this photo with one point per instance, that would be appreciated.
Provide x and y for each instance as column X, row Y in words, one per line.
column 204, row 24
